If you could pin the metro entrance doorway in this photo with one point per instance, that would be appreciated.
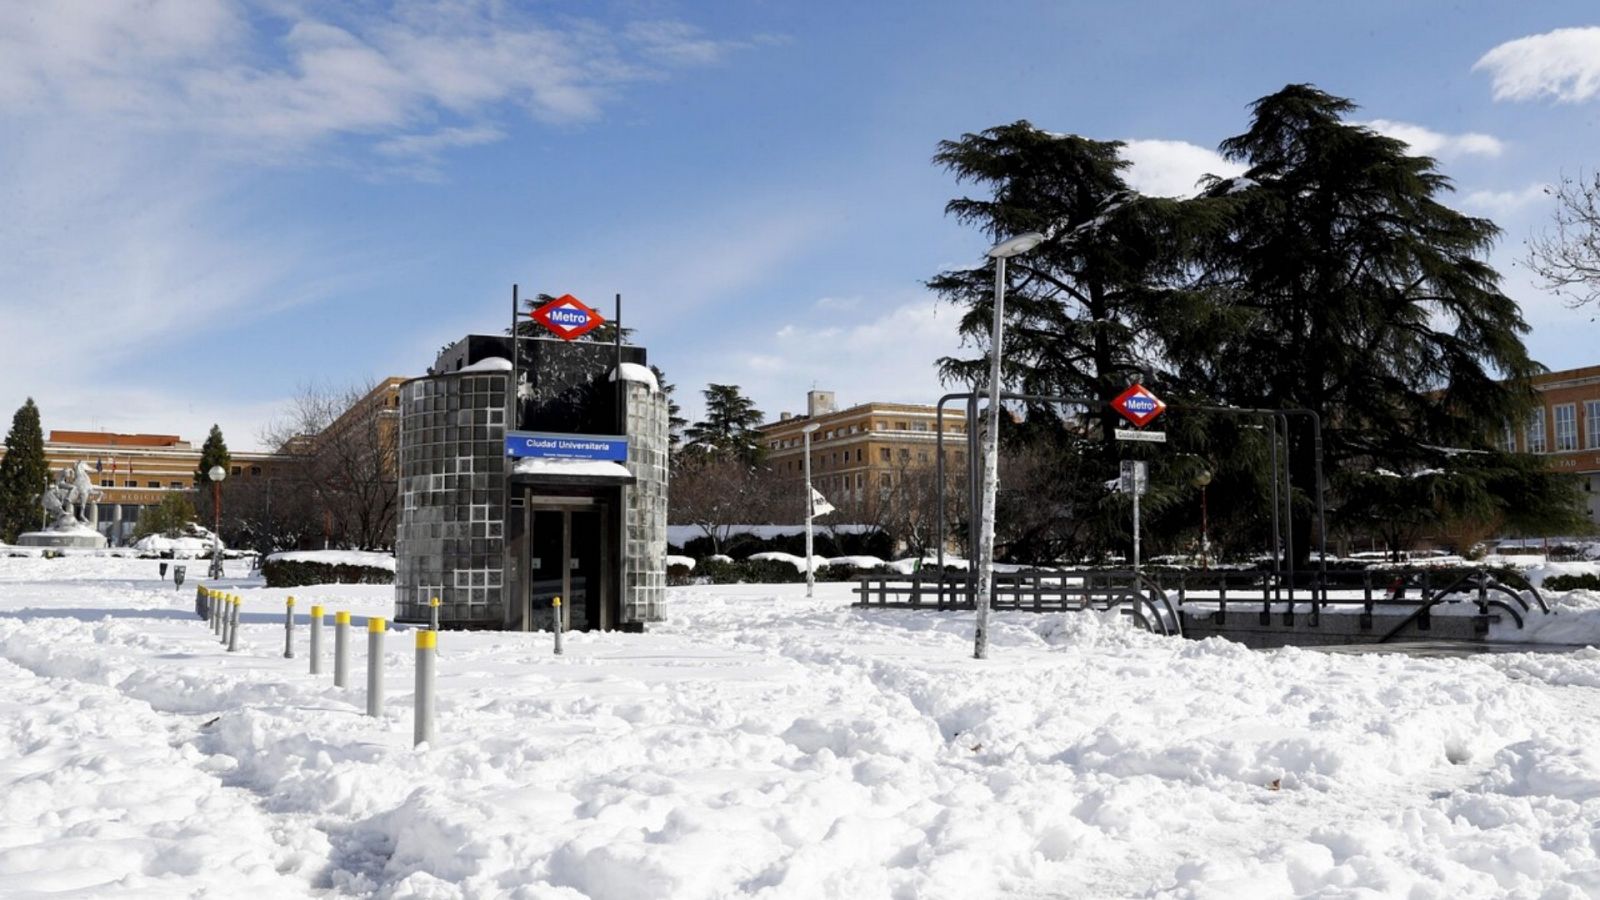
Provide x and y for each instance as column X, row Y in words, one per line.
column 567, row 547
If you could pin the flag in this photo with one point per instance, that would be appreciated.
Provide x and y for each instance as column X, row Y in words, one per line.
column 100, row 465
column 819, row 504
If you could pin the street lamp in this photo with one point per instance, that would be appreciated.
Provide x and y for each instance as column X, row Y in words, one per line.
column 811, row 507
column 1200, row 480
column 1000, row 252
column 216, row 474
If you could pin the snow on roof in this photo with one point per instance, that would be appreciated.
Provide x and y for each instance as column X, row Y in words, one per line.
column 592, row 467
column 489, row 364
column 641, row 374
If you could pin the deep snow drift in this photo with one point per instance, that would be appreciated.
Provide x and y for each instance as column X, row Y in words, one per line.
column 759, row 744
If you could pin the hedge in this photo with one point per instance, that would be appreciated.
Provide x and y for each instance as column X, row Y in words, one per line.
column 291, row 573
column 1585, row 582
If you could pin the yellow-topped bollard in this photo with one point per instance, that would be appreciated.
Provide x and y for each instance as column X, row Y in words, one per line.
column 233, row 623
column 376, row 626
column 341, row 648
column 559, row 625
column 288, row 628
column 422, row 713
column 316, row 639
column 433, row 613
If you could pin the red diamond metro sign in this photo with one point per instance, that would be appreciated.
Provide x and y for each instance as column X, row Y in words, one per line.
column 1138, row 405
column 568, row 317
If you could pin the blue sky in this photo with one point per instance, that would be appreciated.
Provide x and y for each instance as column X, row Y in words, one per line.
column 205, row 204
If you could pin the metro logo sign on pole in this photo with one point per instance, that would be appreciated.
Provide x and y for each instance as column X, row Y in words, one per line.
column 1138, row 405
column 568, row 317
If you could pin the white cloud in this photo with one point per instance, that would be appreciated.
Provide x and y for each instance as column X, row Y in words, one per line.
column 277, row 81
column 1427, row 142
column 1563, row 65
column 1503, row 203
column 1173, row 168
column 886, row 352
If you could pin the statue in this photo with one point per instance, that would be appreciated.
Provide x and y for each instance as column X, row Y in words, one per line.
column 69, row 507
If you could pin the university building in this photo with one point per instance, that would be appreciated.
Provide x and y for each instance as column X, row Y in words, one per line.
column 134, row 471
column 1565, row 427
column 862, row 453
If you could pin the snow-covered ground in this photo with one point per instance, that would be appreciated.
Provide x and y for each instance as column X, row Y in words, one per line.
column 759, row 744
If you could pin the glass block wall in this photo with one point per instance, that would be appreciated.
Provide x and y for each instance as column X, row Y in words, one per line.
column 645, row 505
column 450, row 539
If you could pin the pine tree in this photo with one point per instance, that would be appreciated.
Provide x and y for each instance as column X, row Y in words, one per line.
column 213, row 453
column 675, row 420
column 729, row 426
column 1345, row 286
column 1084, row 309
column 24, row 472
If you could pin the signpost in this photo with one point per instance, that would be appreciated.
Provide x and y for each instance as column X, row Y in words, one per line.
column 567, row 317
column 1139, row 406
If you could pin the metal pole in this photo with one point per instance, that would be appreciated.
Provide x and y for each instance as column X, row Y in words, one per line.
column 216, row 528
column 1135, row 479
column 288, row 629
column 375, row 629
column 556, row 605
column 1288, row 508
column 1277, row 533
column 233, row 632
column 811, row 511
column 991, row 466
column 316, row 640
column 622, row 422
column 422, row 714
column 341, row 648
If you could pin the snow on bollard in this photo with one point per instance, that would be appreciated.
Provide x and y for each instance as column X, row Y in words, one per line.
column 341, row 648
column 233, row 627
column 288, row 629
column 375, row 629
column 427, row 649
column 316, row 640
column 556, row 605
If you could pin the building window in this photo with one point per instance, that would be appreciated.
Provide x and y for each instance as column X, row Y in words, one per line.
column 1566, row 427
column 1591, row 418
column 107, row 482
column 899, row 426
column 884, row 480
column 1536, row 442
column 922, row 457
column 176, row 485
column 883, row 454
column 237, row 470
column 880, row 426
column 905, row 455
column 256, row 470
column 919, row 426
column 154, row 484
column 130, row 483
column 858, row 454
column 1508, row 441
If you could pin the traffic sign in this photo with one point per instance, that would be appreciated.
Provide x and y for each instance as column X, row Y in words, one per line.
column 568, row 317
column 1138, row 405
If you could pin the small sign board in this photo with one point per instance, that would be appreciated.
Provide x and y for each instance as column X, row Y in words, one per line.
column 555, row 445
column 1133, row 480
column 1138, row 405
column 1149, row 437
column 567, row 317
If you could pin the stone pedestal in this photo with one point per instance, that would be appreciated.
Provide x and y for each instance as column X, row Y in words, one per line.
column 76, row 538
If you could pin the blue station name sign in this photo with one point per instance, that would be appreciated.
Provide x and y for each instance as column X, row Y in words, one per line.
column 554, row 445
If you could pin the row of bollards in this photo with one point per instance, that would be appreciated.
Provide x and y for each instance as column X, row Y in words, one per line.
column 221, row 610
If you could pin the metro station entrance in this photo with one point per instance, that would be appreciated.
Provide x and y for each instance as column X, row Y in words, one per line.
column 567, row 547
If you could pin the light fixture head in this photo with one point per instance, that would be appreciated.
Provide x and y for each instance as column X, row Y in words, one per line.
column 808, row 429
column 1022, row 243
column 217, row 473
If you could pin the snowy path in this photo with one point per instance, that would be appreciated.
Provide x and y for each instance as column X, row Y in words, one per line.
column 758, row 744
